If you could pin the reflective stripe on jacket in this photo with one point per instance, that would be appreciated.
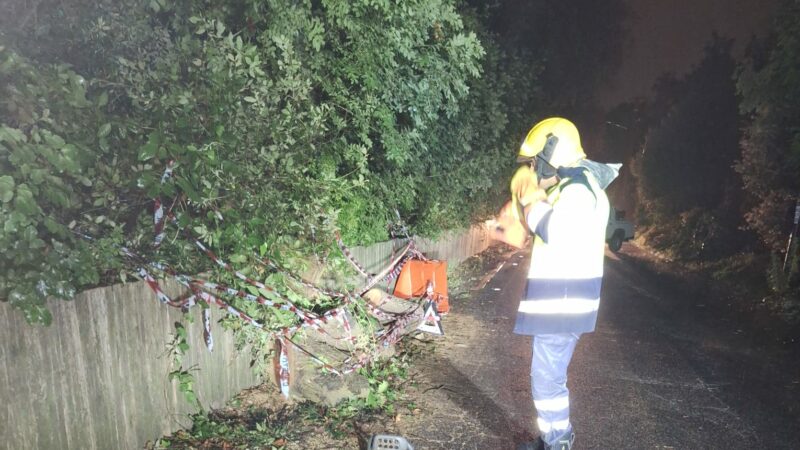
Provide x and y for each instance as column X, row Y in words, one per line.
column 566, row 271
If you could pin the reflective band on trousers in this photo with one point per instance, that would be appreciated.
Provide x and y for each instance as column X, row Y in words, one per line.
column 546, row 427
column 552, row 404
column 559, row 306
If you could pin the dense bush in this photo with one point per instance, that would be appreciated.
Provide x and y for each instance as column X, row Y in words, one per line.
column 52, row 174
column 709, row 187
column 688, row 191
column 769, row 85
column 285, row 120
column 769, row 165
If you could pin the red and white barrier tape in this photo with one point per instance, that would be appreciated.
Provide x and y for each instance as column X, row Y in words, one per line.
column 190, row 301
column 162, row 297
column 158, row 208
column 300, row 281
column 302, row 314
column 212, row 299
column 387, row 272
column 308, row 319
column 391, row 335
column 346, row 297
column 351, row 258
column 194, row 283
column 207, row 337
column 283, row 371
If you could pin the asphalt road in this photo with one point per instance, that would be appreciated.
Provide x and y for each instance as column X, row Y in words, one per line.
column 666, row 369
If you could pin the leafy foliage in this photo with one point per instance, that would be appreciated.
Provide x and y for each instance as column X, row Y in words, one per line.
column 52, row 177
column 685, row 142
column 769, row 164
column 688, row 190
column 284, row 120
column 769, row 86
column 220, row 429
column 245, row 425
column 183, row 377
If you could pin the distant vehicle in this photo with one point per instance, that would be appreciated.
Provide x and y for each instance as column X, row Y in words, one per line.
column 618, row 231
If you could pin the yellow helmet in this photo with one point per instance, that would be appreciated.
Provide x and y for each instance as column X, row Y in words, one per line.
column 555, row 141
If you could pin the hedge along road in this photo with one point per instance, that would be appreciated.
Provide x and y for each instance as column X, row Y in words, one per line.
column 664, row 370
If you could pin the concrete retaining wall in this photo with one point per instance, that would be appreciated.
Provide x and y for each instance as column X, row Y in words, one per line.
column 97, row 377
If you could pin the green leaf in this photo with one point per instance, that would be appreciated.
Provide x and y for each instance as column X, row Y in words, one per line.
column 10, row 226
column 148, row 150
column 11, row 135
column 190, row 397
column 372, row 400
column 70, row 162
column 238, row 259
column 55, row 227
column 24, row 201
column 6, row 188
column 181, row 331
column 187, row 188
column 104, row 130
column 102, row 100
column 252, row 290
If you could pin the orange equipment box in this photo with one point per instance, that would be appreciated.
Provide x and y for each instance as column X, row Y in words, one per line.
column 414, row 278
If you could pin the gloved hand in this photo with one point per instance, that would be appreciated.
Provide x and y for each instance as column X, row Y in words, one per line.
column 508, row 226
column 525, row 187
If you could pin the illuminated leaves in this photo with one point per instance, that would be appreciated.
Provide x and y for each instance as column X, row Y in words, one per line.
column 6, row 188
column 284, row 121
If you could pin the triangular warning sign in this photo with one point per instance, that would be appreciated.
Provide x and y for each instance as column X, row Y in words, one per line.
column 431, row 321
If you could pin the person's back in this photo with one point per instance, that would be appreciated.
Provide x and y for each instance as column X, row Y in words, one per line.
column 566, row 266
column 564, row 205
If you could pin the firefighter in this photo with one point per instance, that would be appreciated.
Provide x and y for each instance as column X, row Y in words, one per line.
column 562, row 201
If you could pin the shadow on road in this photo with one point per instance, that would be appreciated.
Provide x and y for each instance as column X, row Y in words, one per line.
column 475, row 403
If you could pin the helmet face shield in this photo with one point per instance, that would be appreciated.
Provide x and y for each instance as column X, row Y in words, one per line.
column 542, row 159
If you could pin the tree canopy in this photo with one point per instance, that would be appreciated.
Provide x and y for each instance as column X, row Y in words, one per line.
column 769, row 165
column 687, row 185
column 716, row 153
column 278, row 123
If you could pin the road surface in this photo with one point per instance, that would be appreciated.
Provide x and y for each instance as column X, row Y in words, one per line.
column 666, row 369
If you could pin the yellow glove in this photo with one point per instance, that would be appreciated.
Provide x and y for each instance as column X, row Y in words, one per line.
column 525, row 187
column 508, row 227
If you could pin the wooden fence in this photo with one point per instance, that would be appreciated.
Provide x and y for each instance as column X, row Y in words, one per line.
column 97, row 377
column 454, row 246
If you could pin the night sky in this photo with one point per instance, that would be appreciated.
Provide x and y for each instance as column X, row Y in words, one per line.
column 668, row 36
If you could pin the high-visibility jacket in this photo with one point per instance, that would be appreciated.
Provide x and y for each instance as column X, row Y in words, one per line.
column 566, row 269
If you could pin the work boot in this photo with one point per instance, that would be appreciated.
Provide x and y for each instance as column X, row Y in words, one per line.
column 563, row 443
column 538, row 444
